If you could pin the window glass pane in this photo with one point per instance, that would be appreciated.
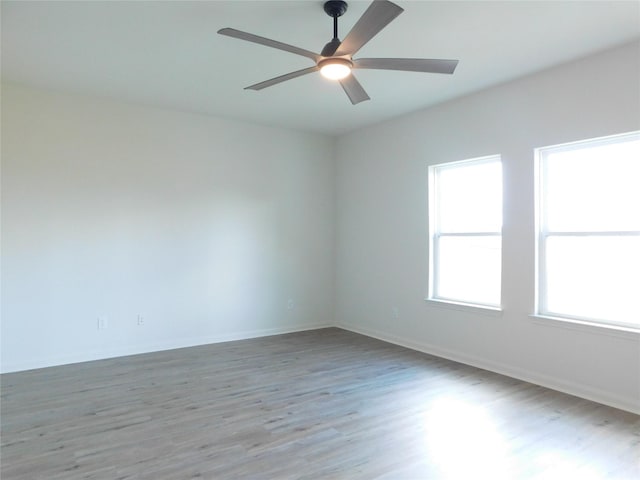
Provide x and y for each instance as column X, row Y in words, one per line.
column 469, row 198
column 594, row 277
column 593, row 188
column 469, row 269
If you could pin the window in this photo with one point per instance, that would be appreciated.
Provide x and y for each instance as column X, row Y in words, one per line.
column 589, row 230
column 465, row 223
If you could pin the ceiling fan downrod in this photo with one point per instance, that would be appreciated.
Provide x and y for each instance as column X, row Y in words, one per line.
column 335, row 9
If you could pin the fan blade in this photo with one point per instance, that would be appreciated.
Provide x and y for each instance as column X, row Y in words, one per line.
column 250, row 37
column 379, row 14
column 281, row 78
column 407, row 64
column 353, row 89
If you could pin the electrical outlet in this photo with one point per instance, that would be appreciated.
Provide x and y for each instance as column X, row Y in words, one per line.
column 290, row 304
column 140, row 320
column 103, row 322
column 395, row 311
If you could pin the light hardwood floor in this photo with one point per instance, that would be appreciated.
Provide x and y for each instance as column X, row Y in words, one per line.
column 311, row 405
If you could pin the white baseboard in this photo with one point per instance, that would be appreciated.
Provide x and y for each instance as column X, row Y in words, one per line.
column 590, row 393
column 157, row 347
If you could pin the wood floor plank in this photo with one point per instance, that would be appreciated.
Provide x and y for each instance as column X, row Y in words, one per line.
column 319, row 404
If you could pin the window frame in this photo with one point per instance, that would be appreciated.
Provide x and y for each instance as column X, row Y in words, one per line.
column 435, row 235
column 543, row 233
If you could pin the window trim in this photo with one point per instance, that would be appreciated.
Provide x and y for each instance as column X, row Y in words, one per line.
column 541, row 311
column 598, row 328
column 435, row 235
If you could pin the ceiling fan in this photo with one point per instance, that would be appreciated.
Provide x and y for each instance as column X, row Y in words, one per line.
column 336, row 59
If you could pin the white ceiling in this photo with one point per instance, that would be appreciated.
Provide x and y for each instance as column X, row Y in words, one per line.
column 168, row 54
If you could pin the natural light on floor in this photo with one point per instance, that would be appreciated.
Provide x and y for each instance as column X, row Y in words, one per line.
column 464, row 442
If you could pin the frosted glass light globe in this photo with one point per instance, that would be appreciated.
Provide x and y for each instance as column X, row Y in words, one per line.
column 335, row 68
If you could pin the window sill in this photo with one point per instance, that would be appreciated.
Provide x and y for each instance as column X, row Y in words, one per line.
column 465, row 307
column 627, row 333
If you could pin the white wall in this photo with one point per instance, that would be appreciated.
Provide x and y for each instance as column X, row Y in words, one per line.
column 382, row 234
column 204, row 226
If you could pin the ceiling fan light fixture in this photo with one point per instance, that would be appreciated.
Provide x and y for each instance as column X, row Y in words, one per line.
column 335, row 68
